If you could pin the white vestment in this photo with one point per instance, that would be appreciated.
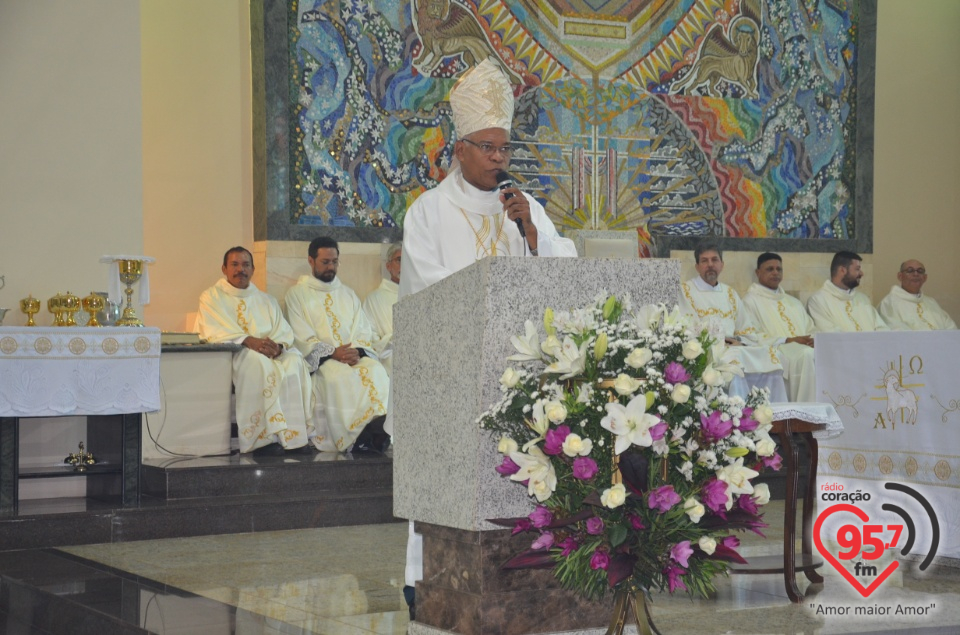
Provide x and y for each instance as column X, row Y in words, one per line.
column 783, row 316
column 347, row 397
column 378, row 306
column 835, row 310
column 455, row 224
column 905, row 311
column 274, row 398
column 721, row 310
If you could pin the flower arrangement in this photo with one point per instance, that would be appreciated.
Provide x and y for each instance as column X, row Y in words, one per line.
column 618, row 424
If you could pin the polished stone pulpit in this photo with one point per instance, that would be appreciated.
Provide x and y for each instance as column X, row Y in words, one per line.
column 451, row 344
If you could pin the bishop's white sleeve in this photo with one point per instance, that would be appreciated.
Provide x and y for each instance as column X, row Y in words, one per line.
column 549, row 242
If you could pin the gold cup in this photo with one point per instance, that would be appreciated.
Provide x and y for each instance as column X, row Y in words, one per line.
column 130, row 272
column 70, row 305
column 92, row 304
column 55, row 306
column 30, row 306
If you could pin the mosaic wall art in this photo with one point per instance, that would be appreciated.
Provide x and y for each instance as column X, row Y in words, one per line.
column 674, row 118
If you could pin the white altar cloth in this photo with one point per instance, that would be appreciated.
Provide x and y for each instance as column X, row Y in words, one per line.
column 811, row 413
column 48, row 371
column 897, row 394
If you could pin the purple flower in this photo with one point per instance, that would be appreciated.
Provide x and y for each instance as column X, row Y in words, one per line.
column 636, row 522
column 730, row 542
column 508, row 467
column 675, row 373
column 714, row 495
column 714, row 428
column 774, row 462
column 584, row 468
column 657, row 431
column 748, row 423
column 553, row 443
column 663, row 498
column 673, row 578
column 522, row 525
column 541, row 517
column 600, row 560
column 747, row 504
column 681, row 552
column 569, row 545
column 594, row 526
column 545, row 541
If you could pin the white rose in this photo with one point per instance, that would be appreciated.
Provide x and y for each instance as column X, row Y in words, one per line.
column 614, row 497
column 692, row 349
column 626, row 385
column 510, row 378
column 681, row 393
column 694, row 509
column 761, row 493
column 712, row 377
column 708, row 544
column 763, row 414
column 575, row 445
column 556, row 411
column 639, row 357
column 766, row 446
column 507, row 445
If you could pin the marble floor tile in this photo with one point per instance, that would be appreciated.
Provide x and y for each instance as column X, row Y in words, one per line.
column 348, row 581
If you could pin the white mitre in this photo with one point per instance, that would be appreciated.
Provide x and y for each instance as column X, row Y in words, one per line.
column 482, row 98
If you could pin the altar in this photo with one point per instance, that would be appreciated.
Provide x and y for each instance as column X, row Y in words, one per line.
column 899, row 399
column 110, row 375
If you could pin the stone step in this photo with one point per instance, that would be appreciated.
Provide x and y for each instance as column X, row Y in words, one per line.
column 244, row 475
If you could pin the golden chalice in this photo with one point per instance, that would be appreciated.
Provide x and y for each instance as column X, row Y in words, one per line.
column 92, row 304
column 130, row 272
column 70, row 305
column 55, row 306
column 30, row 306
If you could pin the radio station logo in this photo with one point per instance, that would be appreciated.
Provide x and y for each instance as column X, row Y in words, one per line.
column 861, row 536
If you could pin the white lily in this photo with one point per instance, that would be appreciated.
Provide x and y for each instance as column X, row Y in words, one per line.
column 551, row 346
column 536, row 468
column 571, row 360
column 725, row 361
column 630, row 423
column 528, row 346
column 737, row 477
column 538, row 422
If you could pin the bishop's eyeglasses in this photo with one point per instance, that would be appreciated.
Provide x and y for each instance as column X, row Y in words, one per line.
column 488, row 148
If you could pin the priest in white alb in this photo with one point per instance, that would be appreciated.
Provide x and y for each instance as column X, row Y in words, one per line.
column 782, row 316
column 378, row 306
column 350, row 385
column 467, row 217
column 837, row 307
column 907, row 308
column 270, row 378
column 719, row 307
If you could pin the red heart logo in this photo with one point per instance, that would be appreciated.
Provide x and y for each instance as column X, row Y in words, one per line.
column 862, row 515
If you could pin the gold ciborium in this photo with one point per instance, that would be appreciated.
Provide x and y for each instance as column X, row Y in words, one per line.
column 55, row 306
column 30, row 306
column 70, row 304
column 130, row 272
column 92, row 304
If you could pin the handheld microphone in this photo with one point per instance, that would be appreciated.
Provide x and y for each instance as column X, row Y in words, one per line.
column 504, row 182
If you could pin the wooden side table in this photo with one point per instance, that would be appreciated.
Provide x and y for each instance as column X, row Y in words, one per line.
column 787, row 564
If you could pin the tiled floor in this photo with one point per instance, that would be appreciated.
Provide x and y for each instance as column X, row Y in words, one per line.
column 348, row 581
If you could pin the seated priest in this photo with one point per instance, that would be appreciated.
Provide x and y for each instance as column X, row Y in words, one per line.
column 781, row 315
column 270, row 377
column 350, row 384
column 907, row 308
column 720, row 308
column 837, row 307
column 378, row 306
